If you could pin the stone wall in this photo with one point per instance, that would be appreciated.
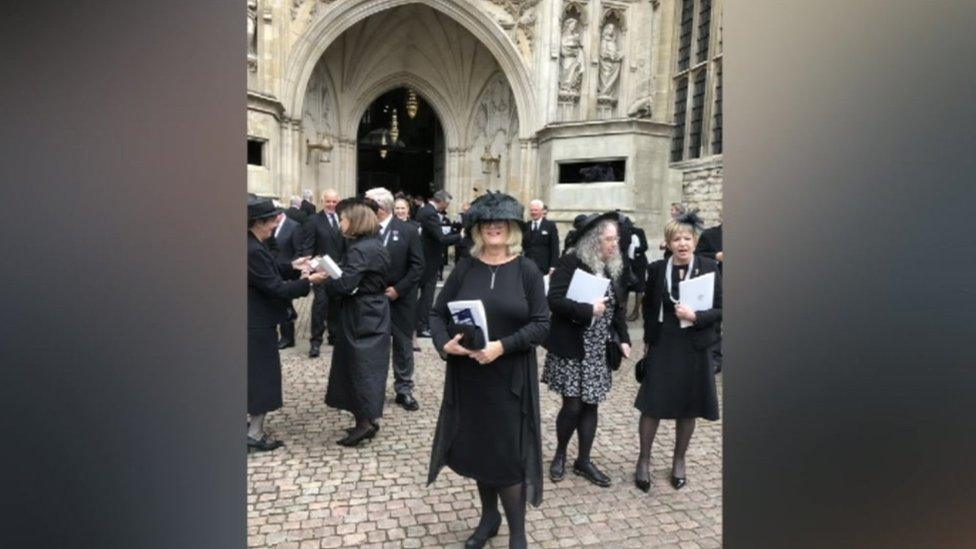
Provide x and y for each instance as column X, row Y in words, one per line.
column 701, row 187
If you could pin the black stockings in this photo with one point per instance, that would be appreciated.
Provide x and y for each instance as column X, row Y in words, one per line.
column 576, row 415
column 684, row 428
column 513, row 502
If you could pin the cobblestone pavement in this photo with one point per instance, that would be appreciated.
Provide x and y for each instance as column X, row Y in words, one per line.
column 315, row 493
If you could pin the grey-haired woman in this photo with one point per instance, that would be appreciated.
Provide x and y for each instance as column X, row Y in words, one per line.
column 577, row 364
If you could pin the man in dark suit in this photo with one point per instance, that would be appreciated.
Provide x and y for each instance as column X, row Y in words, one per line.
column 286, row 245
column 323, row 237
column 308, row 202
column 434, row 241
column 406, row 267
column 294, row 211
column 540, row 238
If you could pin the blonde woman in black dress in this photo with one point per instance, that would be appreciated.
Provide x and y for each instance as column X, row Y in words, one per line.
column 488, row 429
column 679, row 382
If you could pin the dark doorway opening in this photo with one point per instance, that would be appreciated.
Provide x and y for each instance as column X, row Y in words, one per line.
column 413, row 162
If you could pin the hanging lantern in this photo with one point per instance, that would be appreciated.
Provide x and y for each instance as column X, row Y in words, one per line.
column 383, row 145
column 412, row 103
column 394, row 128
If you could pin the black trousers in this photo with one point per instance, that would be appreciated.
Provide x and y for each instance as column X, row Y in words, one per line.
column 402, row 321
column 428, row 285
column 324, row 310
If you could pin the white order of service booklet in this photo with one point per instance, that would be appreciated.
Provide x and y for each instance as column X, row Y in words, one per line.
column 587, row 288
column 470, row 313
column 698, row 294
column 326, row 264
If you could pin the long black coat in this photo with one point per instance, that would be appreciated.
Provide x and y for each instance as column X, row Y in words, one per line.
column 541, row 246
column 361, row 359
column 268, row 296
column 571, row 318
column 520, row 346
column 703, row 330
column 710, row 242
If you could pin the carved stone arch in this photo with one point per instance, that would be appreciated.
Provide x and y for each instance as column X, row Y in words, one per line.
column 442, row 106
column 615, row 14
column 469, row 135
column 342, row 15
column 575, row 8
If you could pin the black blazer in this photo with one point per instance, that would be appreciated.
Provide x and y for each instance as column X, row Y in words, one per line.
column 308, row 208
column 710, row 242
column 268, row 293
column 289, row 243
column 406, row 256
column 570, row 318
column 296, row 214
column 541, row 246
column 703, row 331
column 641, row 250
column 435, row 242
column 321, row 238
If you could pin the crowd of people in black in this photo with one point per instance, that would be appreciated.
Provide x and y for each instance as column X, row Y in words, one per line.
column 391, row 252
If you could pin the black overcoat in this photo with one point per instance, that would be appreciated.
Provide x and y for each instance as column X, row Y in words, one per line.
column 541, row 246
column 522, row 345
column 710, row 242
column 268, row 296
column 361, row 358
column 571, row 318
column 703, row 330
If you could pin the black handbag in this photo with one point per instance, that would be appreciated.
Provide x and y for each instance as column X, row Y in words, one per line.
column 614, row 355
column 471, row 336
column 639, row 369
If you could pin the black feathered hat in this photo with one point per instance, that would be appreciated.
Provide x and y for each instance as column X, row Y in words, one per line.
column 691, row 218
column 494, row 206
column 591, row 223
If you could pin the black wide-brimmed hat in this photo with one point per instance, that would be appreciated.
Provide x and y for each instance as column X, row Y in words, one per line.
column 260, row 208
column 591, row 223
column 494, row 206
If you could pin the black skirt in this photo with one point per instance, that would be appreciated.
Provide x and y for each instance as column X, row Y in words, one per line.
column 263, row 371
column 679, row 381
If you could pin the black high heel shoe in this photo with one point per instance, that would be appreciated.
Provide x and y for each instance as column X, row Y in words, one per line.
column 478, row 539
column 375, row 429
column 642, row 485
column 678, row 482
column 352, row 441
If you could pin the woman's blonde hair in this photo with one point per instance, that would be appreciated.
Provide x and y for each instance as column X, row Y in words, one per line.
column 362, row 221
column 514, row 242
column 674, row 227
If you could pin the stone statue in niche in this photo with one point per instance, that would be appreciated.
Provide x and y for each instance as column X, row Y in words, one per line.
column 610, row 62
column 252, row 33
column 570, row 63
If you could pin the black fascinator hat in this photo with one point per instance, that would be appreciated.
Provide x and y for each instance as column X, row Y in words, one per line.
column 346, row 202
column 691, row 218
column 591, row 223
column 494, row 206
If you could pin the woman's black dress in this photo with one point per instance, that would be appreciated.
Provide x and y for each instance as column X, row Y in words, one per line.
column 488, row 427
column 679, row 381
column 361, row 358
column 268, row 298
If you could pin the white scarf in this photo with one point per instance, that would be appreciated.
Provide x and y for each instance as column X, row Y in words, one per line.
column 667, row 281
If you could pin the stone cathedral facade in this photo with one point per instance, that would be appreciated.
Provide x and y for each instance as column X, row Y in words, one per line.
column 588, row 104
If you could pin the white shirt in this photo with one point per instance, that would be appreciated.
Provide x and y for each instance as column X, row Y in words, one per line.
column 383, row 225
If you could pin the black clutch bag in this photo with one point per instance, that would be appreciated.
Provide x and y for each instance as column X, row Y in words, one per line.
column 639, row 369
column 471, row 336
column 614, row 355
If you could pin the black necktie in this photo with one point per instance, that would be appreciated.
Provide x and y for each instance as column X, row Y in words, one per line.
column 332, row 222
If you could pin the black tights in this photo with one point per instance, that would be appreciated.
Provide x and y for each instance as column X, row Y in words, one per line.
column 576, row 415
column 684, row 428
column 513, row 502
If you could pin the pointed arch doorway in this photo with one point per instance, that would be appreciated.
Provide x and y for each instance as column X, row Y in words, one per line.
column 400, row 152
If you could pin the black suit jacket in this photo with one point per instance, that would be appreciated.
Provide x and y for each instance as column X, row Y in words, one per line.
column 703, row 331
column 570, row 318
column 321, row 238
column 406, row 256
column 435, row 242
column 308, row 208
column 297, row 215
column 541, row 246
column 289, row 242
column 268, row 293
column 710, row 242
